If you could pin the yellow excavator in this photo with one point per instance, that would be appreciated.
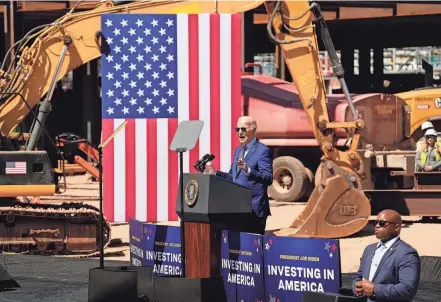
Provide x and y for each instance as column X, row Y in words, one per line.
column 424, row 104
column 336, row 208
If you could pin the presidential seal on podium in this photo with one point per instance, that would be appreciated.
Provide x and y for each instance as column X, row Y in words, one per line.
column 191, row 193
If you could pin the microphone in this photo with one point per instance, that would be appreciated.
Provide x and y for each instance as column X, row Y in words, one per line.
column 204, row 162
column 199, row 162
column 202, row 159
column 209, row 158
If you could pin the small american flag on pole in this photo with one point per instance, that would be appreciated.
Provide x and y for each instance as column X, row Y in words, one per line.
column 15, row 167
column 159, row 70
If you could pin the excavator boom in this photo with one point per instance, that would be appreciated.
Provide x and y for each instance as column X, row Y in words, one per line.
column 337, row 206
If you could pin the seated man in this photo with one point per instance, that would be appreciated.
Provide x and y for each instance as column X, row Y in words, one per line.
column 252, row 168
column 428, row 156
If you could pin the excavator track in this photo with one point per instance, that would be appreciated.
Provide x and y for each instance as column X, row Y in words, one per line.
column 67, row 228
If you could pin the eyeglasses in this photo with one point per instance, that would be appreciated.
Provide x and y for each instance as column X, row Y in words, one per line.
column 431, row 137
column 383, row 223
column 243, row 129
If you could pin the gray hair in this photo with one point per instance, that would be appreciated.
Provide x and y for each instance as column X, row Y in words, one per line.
column 250, row 121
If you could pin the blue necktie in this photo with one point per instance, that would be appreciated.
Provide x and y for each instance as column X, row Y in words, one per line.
column 241, row 156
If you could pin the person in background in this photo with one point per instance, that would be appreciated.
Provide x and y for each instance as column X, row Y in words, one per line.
column 428, row 155
column 424, row 127
column 390, row 269
column 252, row 168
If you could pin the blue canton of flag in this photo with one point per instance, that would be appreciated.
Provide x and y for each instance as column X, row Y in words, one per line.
column 139, row 73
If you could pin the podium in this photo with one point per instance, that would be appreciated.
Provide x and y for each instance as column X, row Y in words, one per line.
column 211, row 204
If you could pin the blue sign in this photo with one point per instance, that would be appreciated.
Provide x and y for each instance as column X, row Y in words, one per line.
column 162, row 246
column 254, row 267
column 296, row 265
column 136, row 242
column 242, row 266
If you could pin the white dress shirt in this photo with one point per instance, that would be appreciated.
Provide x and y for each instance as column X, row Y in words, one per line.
column 382, row 248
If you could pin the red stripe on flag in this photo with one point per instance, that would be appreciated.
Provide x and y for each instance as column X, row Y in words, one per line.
column 146, row 141
column 236, row 85
column 130, row 146
column 152, row 196
column 193, row 78
column 172, row 171
column 215, row 88
column 108, row 176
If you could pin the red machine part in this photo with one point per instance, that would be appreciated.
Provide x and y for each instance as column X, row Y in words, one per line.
column 87, row 166
column 90, row 151
column 276, row 106
column 283, row 125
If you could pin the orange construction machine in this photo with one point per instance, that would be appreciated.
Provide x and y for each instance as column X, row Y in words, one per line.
column 389, row 155
column 337, row 206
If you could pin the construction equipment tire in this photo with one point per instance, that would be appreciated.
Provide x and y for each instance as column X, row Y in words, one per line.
column 290, row 179
column 310, row 183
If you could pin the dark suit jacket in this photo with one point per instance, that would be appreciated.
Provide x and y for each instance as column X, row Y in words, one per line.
column 260, row 160
column 397, row 276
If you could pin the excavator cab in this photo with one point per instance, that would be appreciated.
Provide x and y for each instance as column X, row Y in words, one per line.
column 25, row 173
column 29, row 226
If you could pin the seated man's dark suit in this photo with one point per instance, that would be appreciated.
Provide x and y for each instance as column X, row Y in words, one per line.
column 397, row 274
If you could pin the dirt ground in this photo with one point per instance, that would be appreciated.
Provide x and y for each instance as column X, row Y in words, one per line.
column 422, row 236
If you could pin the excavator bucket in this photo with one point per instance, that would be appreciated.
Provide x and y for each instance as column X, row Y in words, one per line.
column 336, row 208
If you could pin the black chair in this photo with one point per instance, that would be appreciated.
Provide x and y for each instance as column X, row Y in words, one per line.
column 177, row 289
column 113, row 285
column 145, row 279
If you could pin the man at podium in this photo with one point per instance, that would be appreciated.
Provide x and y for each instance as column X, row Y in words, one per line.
column 252, row 167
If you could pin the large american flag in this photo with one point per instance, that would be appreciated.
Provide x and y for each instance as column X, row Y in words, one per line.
column 162, row 69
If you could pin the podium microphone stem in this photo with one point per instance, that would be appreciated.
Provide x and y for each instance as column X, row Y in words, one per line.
column 181, row 165
column 100, row 152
